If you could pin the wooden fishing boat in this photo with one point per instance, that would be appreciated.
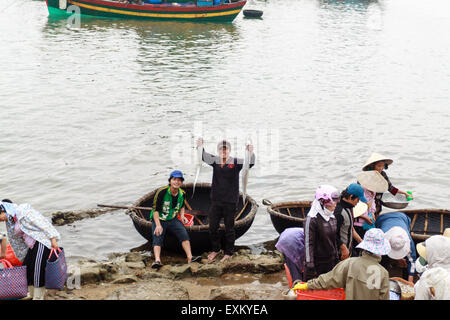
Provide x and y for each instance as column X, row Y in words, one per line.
column 184, row 11
column 424, row 222
column 199, row 206
column 290, row 214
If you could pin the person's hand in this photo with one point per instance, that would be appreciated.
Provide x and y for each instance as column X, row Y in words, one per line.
column 301, row 286
column 345, row 253
column 184, row 219
column 158, row 230
column 368, row 220
column 199, row 142
column 54, row 243
column 406, row 194
column 2, row 256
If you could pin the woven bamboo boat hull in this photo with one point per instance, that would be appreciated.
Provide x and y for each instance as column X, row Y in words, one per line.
column 427, row 222
column 424, row 222
column 114, row 9
column 288, row 214
column 198, row 234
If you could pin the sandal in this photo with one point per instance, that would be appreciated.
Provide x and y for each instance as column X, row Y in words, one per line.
column 156, row 265
column 196, row 258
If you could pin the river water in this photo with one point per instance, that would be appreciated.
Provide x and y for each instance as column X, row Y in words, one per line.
column 104, row 112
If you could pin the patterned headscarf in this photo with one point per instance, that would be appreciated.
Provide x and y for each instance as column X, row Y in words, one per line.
column 9, row 209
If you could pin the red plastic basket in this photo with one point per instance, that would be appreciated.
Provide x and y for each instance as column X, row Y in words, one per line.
column 331, row 294
column 189, row 217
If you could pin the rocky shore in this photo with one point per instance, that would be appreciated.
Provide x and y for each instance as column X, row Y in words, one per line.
column 61, row 218
column 129, row 276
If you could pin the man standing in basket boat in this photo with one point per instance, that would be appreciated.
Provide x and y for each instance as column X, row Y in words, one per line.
column 224, row 195
column 168, row 205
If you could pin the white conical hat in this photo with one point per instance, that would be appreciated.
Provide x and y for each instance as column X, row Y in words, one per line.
column 373, row 181
column 360, row 209
column 375, row 157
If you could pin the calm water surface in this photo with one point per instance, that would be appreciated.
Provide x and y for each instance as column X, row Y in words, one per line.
column 103, row 113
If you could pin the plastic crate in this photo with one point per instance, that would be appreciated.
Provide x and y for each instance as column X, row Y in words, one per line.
column 332, row 294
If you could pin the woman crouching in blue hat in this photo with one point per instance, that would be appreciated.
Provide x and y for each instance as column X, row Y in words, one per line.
column 168, row 203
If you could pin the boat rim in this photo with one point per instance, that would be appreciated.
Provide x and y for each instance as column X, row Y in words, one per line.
column 241, row 222
column 287, row 204
column 292, row 204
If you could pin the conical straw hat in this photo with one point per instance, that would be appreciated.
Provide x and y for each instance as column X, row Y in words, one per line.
column 360, row 209
column 375, row 157
column 373, row 181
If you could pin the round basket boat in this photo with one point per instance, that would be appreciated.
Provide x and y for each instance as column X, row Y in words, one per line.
column 290, row 214
column 248, row 13
column 424, row 222
column 427, row 222
column 199, row 206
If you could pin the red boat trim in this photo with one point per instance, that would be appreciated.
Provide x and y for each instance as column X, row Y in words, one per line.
column 160, row 7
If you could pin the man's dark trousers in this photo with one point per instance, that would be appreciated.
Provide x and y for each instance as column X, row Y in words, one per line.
column 227, row 211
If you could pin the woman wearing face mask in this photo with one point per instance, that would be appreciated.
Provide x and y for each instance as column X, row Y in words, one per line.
column 321, row 254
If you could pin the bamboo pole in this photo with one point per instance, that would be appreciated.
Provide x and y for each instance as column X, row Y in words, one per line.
column 289, row 211
column 190, row 208
column 413, row 222
column 243, row 208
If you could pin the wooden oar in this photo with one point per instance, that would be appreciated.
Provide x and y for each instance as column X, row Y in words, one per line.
column 190, row 211
column 242, row 210
column 138, row 209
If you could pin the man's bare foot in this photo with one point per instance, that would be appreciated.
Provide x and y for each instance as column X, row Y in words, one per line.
column 212, row 256
column 225, row 257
